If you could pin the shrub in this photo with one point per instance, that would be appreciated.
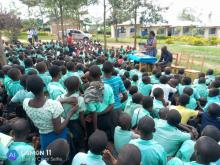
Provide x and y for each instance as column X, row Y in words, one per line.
column 162, row 37
column 198, row 41
column 213, row 41
column 169, row 41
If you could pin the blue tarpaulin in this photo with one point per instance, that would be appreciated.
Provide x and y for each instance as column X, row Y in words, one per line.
column 142, row 58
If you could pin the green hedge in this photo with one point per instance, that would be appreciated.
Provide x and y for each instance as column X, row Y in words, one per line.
column 194, row 40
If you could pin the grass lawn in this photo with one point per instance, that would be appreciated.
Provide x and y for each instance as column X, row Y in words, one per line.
column 23, row 37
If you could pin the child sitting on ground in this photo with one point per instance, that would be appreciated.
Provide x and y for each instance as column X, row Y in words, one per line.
column 123, row 133
column 145, row 86
column 185, row 113
column 169, row 136
column 213, row 97
column 158, row 102
column 128, row 155
column 136, row 103
column 139, row 113
column 167, row 89
column 192, row 101
column 211, row 117
column 132, row 91
column 97, row 143
column 201, row 90
column 134, row 80
column 24, row 151
column 209, row 76
column 53, row 154
column 203, row 154
column 186, row 82
column 196, row 81
column 151, row 151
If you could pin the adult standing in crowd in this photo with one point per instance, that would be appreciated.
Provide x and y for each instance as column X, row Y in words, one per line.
column 30, row 35
column 151, row 45
column 70, row 42
column 35, row 34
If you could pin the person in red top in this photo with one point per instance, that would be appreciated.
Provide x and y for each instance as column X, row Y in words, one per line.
column 70, row 39
column 70, row 42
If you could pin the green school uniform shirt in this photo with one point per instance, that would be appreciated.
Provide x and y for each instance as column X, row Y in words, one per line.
column 135, row 71
column 157, row 105
column 201, row 90
column 211, row 100
column 25, row 154
column 133, row 83
column 30, row 69
column 68, row 107
column 88, row 159
column 181, row 87
column 14, row 87
column 121, row 137
column 170, row 138
column 192, row 103
column 7, row 80
column 177, row 161
column 121, row 72
column 151, row 152
column 138, row 114
column 154, row 80
column 129, row 99
column 46, row 79
column 186, row 150
column 21, row 95
column 55, row 89
column 69, row 74
column 3, row 151
column 209, row 79
column 108, row 99
column 144, row 89
column 130, row 108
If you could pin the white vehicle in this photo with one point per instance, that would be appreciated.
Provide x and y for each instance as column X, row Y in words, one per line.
column 78, row 34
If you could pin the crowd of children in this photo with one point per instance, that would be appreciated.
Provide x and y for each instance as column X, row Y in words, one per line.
column 83, row 105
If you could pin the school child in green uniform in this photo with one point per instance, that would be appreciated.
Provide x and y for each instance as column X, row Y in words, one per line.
column 54, row 88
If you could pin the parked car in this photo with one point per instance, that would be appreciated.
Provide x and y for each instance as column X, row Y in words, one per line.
column 77, row 34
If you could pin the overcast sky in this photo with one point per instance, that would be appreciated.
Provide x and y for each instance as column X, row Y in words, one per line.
column 201, row 7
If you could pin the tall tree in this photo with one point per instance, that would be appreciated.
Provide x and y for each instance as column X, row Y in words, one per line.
column 12, row 25
column 119, row 14
column 69, row 6
column 151, row 13
column 30, row 3
column 187, row 14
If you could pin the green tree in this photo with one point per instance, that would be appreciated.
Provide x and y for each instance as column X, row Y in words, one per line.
column 71, row 7
column 30, row 3
column 187, row 15
column 119, row 14
column 151, row 13
column 11, row 24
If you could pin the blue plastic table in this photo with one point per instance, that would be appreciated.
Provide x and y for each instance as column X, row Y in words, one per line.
column 142, row 58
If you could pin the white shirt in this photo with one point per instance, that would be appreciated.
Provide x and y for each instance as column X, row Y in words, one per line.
column 167, row 89
column 29, row 33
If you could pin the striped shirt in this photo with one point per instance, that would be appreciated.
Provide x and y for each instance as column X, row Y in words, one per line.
column 118, row 87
